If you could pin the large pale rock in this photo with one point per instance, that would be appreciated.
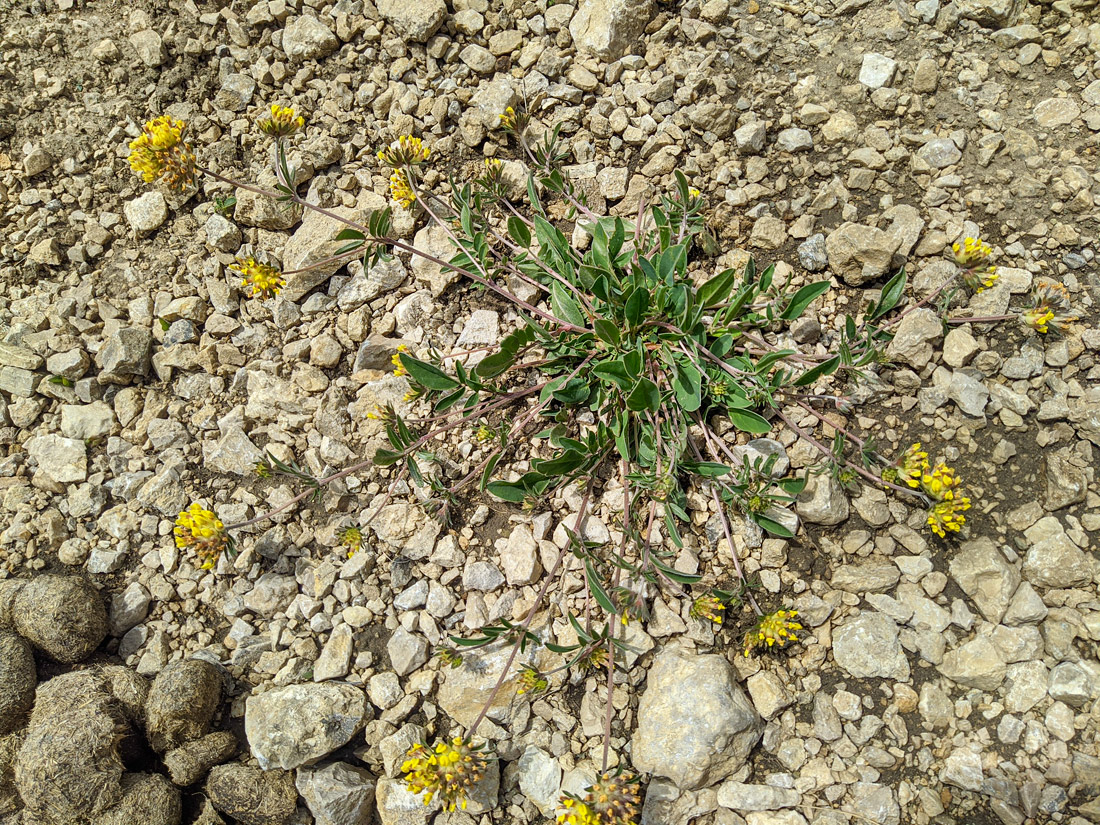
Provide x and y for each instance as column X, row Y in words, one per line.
column 976, row 664
column 416, row 21
column 981, row 570
column 914, row 338
column 993, row 13
column 466, row 689
column 696, row 726
column 1053, row 559
column 312, row 242
column 823, row 501
column 435, row 241
column 64, row 460
column 868, row 645
column 307, row 38
column 607, row 28
column 859, row 254
column 301, row 724
column 337, row 794
column 540, row 779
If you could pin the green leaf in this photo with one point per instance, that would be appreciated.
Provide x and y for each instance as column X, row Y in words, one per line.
column 891, row 294
column 676, row 575
column 646, row 396
column 802, row 299
column 772, row 526
column 493, row 365
column 687, row 384
column 598, row 592
column 384, row 457
column 636, row 305
column 614, row 371
column 708, row 469
column 560, row 465
column 427, row 375
column 607, row 331
column 349, row 234
column 811, row 375
column 564, row 306
column 575, row 391
column 489, row 468
column 507, row 490
column 748, row 421
column 519, row 232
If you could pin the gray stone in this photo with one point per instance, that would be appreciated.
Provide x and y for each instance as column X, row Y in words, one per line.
column 407, row 651
column 1026, row 607
column 696, row 726
column 1053, row 559
column 1067, row 478
column 335, row 659
column 963, row 768
column 253, row 209
column 482, row 575
column 519, row 557
column 741, row 797
column 234, row 452
column 877, row 70
column 993, row 13
column 976, row 664
column 364, row 287
column 236, row 92
column 1015, row 36
column 19, row 382
column 823, row 501
column 769, row 696
column 300, row 724
column 149, row 47
column 868, row 577
column 939, row 153
column 540, row 779
column 271, row 594
column 1070, row 683
column 812, row 253
column 466, row 689
column 969, row 393
column 607, row 28
column 128, row 608
column 859, row 254
column 794, row 140
column 384, row 689
column 414, row 21
column 750, row 137
column 397, row 805
column 1027, row 686
column 982, row 572
column 337, row 793
column 21, row 357
column 222, row 233
column 1056, row 111
column 868, row 646
column 84, row 421
column 125, row 355
column 63, row 460
column 146, row 212
column 315, row 241
column 307, row 38
column 435, row 241
column 914, row 338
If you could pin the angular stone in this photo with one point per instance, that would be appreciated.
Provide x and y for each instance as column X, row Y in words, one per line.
column 146, row 212
column 337, row 794
column 335, row 659
column 519, row 557
column 607, row 28
column 914, row 338
column 312, row 242
column 939, row 153
column 414, row 21
column 741, row 797
column 407, row 651
column 125, row 355
column 794, row 140
column 859, row 254
column 868, row 577
column 1027, row 686
column 963, row 768
column 1053, row 559
column 300, row 724
column 696, row 726
column 868, row 645
column 464, row 690
column 823, row 501
column 540, row 779
column 234, row 452
column 1056, row 111
column 1070, row 683
column 982, row 572
column 993, row 13
column 976, row 664
column 364, row 287
column 63, row 460
column 434, row 241
column 19, row 382
column 877, row 70
column 307, row 38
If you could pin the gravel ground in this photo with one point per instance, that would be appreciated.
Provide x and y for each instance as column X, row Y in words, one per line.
column 936, row 682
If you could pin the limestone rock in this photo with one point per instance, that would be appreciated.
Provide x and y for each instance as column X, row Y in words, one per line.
column 859, row 254
column 337, row 794
column 981, row 570
column 414, row 21
column 307, row 38
column 696, row 726
column 607, row 28
column 300, row 724
column 868, row 645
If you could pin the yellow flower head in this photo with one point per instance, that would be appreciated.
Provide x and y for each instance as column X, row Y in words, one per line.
column 941, row 483
column 395, row 359
column 400, row 189
column 707, row 607
column 775, row 628
column 160, row 152
column 484, row 433
column 531, row 681
column 448, row 771
column 1050, row 308
column 351, row 538
column 282, row 123
column 946, row 516
column 612, row 800
column 513, row 122
column 594, row 659
column 384, row 414
column 200, row 529
column 913, row 465
column 971, row 253
column 405, row 151
column 264, row 281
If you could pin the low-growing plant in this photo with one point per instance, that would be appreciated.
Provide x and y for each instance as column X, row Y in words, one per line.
column 627, row 370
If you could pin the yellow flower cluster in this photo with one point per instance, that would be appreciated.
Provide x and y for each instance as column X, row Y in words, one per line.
column 971, row 253
column 946, row 515
column 405, row 151
column 514, row 122
column 264, row 281
column 913, row 465
column 199, row 528
column 351, row 538
column 160, row 152
column 771, row 629
column 707, row 607
column 448, row 771
column 401, row 190
column 484, row 433
column 282, row 123
column 395, row 359
column 612, row 800
column 1050, row 308
column 531, row 681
